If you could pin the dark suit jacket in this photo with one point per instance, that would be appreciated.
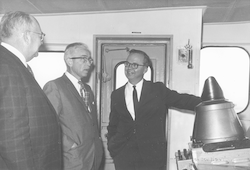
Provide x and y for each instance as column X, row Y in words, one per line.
column 29, row 129
column 148, row 131
column 78, row 125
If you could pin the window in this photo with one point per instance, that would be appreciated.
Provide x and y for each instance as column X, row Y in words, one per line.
column 48, row 66
column 230, row 67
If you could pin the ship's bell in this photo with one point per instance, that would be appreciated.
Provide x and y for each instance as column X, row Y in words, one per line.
column 215, row 118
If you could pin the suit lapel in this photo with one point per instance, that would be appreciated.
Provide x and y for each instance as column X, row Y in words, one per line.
column 121, row 102
column 145, row 96
column 121, row 97
column 73, row 90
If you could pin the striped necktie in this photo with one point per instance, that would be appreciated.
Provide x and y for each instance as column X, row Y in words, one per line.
column 85, row 95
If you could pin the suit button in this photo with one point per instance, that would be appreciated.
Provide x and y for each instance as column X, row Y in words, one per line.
column 134, row 131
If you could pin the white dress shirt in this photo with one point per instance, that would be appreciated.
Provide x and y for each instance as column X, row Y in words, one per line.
column 129, row 96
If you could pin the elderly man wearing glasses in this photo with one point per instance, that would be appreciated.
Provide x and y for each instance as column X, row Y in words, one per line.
column 75, row 105
column 136, row 131
column 30, row 136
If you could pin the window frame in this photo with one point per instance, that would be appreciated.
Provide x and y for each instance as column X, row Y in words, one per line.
column 247, row 53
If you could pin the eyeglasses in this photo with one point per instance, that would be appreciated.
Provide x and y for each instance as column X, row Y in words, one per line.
column 84, row 59
column 132, row 65
column 42, row 35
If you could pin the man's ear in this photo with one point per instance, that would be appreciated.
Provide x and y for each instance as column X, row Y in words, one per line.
column 145, row 70
column 69, row 62
column 26, row 37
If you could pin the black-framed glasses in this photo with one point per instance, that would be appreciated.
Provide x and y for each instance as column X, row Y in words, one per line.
column 132, row 65
column 84, row 59
column 42, row 35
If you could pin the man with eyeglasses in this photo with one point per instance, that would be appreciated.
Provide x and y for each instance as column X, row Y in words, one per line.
column 75, row 105
column 41, row 34
column 136, row 130
column 30, row 136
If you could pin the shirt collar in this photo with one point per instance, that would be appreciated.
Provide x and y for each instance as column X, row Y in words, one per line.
column 74, row 81
column 129, row 88
column 71, row 78
column 15, row 52
column 138, row 85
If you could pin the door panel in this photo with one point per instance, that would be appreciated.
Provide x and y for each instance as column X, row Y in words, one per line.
column 110, row 52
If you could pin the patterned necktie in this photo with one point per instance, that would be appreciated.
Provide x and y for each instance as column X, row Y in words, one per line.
column 30, row 70
column 135, row 98
column 84, row 95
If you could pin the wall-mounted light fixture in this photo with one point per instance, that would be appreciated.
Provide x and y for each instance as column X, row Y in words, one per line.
column 186, row 55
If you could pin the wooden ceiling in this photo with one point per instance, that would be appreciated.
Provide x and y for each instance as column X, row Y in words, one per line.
column 217, row 10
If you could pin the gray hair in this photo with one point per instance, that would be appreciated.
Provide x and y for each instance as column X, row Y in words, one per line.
column 71, row 48
column 17, row 21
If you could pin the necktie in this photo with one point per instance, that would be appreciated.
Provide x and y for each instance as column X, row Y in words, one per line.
column 135, row 98
column 85, row 96
column 30, row 70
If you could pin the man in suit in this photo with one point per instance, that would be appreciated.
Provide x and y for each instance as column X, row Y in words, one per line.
column 30, row 137
column 75, row 106
column 136, row 130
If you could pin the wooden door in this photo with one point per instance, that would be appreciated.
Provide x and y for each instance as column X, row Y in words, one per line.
column 110, row 52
